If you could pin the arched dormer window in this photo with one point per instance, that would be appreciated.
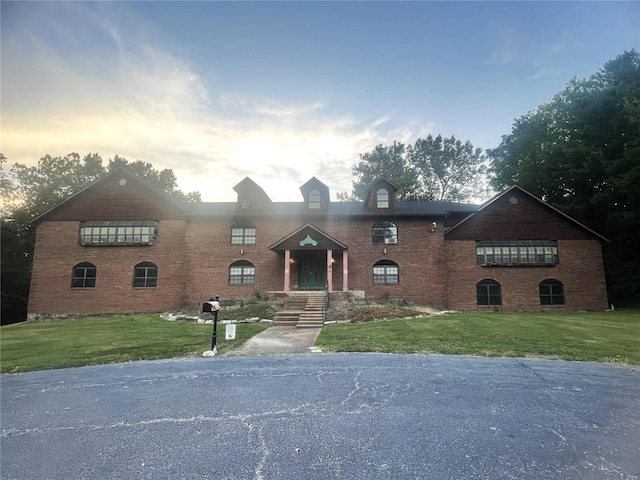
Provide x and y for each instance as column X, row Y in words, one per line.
column 382, row 198
column 386, row 272
column 384, row 232
column 243, row 233
column 242, row 272
column 314, row 199
column 83, row 275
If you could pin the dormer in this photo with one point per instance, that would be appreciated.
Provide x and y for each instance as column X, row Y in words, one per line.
column 251, row 196
column 381, row 195
column 316, row 196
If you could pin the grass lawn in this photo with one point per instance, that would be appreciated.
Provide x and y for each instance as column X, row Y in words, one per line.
column 590, row 336
column 95, row 340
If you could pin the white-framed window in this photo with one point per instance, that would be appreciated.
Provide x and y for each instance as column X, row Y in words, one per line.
column 382, row 198
column 516, row 252
column 242, row 272
column 386, row 272
column 314, row 199
column 119, row 232
column 243, row 233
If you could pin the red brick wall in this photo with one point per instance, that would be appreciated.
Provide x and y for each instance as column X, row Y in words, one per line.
column 193, row 258
column 419, row 253
column 580, row 270
column 57, row 252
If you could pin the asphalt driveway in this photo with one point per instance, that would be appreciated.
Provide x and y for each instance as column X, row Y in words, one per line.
column 323, row 416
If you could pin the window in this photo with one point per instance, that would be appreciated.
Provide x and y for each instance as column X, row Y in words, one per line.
column 488, row 292
column 83, row 275
column 243, row 234
column 135, row 232
column 247, row 201
column 314, row 199
column 242, row 273
column 385, row 272
column 384, row 232
column 517, row 252
column 382, row 198
column 145, row 275
column 551, row 292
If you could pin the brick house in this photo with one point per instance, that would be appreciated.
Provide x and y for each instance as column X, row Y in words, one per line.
column 122, row 245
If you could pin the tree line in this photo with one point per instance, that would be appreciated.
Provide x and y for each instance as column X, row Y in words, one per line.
column 580, row 152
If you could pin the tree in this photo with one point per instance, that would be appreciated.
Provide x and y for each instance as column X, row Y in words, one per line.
column 581, row 153
column 447, row 168
column 30, row 191
column 432, row 169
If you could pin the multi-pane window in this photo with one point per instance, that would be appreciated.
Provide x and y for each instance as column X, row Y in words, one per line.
column 243, row 234
column 314, row 199
column 551, row 292
column 242, row 273
column 83, row 275
column 517, row 252
column 384, row 232
column 385, row 272
column 145, row 275
column 246, row 201
column 488, row 292
column 382, row 198
column 135, row 232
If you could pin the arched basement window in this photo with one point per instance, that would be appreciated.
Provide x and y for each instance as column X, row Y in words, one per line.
column 488, row 292
column 551, row 292
column 145, row 275
column 84, row 275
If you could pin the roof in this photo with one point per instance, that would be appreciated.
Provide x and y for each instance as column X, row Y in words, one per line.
column 122, row 172
column 530, row 195
column 338, row 209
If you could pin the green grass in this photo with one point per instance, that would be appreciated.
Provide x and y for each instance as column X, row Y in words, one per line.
column 96, row 340
column 590, row 336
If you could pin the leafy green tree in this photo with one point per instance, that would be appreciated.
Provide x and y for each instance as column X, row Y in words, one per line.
column 31, row 191
column 447, row 168
column 432, row 169
column 581, row 153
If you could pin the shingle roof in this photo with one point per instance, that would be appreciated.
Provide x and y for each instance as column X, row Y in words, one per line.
column 339, row 209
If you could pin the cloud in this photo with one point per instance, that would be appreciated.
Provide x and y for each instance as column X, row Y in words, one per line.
column 140, row 102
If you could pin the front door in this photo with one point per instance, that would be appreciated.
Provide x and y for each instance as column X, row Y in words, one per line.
column 312, row 273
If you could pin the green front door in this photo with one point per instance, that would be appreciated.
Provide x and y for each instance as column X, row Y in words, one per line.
column 312, row 274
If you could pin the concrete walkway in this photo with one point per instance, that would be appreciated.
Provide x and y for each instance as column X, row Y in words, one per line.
column 278, row 341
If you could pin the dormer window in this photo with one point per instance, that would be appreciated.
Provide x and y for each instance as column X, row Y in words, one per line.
column 382, row 198
column 314, row 199
column 247, row 201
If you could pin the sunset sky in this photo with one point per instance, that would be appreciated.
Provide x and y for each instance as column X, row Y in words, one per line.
column 283, row 91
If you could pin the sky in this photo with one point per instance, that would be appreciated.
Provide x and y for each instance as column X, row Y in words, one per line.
column 285, row 91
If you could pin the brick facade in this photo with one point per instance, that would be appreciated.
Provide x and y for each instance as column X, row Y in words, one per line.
column 435, row 251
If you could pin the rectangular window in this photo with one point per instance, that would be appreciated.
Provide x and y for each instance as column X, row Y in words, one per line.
column 125, row 232
column 516, row 252
column 243, row 236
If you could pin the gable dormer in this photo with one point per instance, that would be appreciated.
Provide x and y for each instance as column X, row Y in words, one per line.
column 316, row 195
column 381, row 195
column 250, row 195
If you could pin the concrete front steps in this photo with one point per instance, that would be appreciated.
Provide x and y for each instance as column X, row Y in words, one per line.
column 303, row 309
